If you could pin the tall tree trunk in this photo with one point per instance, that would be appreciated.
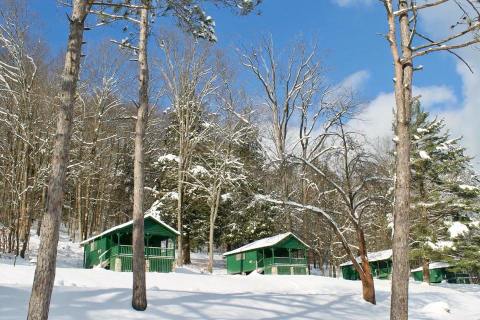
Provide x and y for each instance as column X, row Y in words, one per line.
column 403, row 91
column 139, row 298
column 426, row 270
column 46, row 261
column 186, row 249
column 213, row 217
column 180, row 206
column 24, row 206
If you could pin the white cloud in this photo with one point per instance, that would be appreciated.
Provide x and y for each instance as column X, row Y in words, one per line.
column 350, row 3
column 375, row 121
column 355, row 81
column 461, row 114
column 463, row 121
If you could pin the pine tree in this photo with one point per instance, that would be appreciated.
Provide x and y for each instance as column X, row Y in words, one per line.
column 437, row 164
column 465, row 253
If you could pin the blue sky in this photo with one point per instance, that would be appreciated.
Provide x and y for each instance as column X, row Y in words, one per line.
column 349, row 37
column 349, row 34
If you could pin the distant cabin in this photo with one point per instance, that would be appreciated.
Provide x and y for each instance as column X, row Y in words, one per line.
column 439, row 273
column 380, row 263
column 112, row 249
column 283, row 254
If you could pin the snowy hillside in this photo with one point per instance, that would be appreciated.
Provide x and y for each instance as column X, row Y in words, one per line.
column 69, row 254
column 101, row 294
column 191, row 294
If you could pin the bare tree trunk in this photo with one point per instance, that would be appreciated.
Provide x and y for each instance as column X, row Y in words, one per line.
column 78, row 198
column 45, row 270
column 180, row 206
column 25, row 207
column 210, row 242
column 426, row 270
column 139, row 298
column 403, row 91
column 213, row 218
column 186, row 249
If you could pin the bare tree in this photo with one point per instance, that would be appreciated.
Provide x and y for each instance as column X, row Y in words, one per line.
column 18, row 76
column 190, row 82
column 407, row 42
column 345, row 194
column 285, row 89
column 220, row 170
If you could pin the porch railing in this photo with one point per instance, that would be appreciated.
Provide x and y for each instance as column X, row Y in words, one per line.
column 284, row 261
column 125, row 250
column 157, row 259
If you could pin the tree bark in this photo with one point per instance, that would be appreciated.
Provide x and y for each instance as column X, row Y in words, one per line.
column 45, row 270
column 213, row 217
column 426, row 270
column 180, row 204
column 25, row 206
column 139, row 298
column 403, row 91
column 186, row 249
column 368, row 286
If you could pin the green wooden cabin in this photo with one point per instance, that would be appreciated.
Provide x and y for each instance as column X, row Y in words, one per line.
column 112, row 249
column 380, row 263
column 439, row 272
column 283, row 254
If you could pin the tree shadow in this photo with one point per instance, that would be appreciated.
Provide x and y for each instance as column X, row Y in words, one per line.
column 92, row 303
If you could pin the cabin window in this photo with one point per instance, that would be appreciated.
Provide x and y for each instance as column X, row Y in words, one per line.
column 92, row 245
column 239, row 256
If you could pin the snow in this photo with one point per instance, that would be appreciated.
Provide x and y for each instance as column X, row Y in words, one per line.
column 457, row 229
column 442, row 244
column 199, row 170
column 171, row 195
column 263, row 243
column 467, row 187
column 373, row 256
column 424, row 155
column 433, row 265
column 123, row 225
column 226, row 197
column 190, row 293
column 439, row 308
column 93, row 294
column 167, row 158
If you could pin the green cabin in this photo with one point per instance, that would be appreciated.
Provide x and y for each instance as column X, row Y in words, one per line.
column 283, row 254
column 439, row 273
column 380, row 263
column 112, row 249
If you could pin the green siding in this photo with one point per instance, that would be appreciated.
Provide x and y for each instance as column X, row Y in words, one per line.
column 107, row 252
column 242, row 262
column 442, row 274
column 380, row 270
column 290, row 243
column 282, row 257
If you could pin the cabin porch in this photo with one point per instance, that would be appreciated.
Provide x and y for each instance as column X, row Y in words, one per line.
column 283, row 261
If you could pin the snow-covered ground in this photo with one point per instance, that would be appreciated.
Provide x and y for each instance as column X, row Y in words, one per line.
column 190, row 294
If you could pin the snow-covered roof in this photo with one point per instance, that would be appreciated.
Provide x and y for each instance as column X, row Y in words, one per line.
column 433, row 265
column 264, row 243
column 126, row 224
column 373, row 256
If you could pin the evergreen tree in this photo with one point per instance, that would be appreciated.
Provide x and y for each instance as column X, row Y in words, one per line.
column 465, row 253
column 438, row 164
